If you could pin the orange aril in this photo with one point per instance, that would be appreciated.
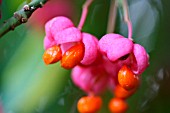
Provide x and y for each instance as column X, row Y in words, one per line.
column 127, row 79
column 117, row 105
column 73, row 56
column 120, row 92
column 89, row 104
column 52, row 55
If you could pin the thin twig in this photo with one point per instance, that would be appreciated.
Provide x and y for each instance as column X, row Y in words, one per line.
column 127, row 19
column 20, row 16
column 112, row 17
column 84, row 13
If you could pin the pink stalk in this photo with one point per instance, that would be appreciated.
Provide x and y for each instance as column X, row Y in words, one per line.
column 127, row 19
column 84, row 13
column 112, row 16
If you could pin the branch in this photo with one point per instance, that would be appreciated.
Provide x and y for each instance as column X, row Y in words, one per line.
column 20, row 16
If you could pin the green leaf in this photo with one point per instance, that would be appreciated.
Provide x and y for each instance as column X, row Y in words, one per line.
column 26, row 81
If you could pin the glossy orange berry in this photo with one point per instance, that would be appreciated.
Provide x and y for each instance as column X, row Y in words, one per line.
column 89, row 104
column 127, row 79
column 117, row 105
column 73, row 56
column 120, row 92
column 52, row 55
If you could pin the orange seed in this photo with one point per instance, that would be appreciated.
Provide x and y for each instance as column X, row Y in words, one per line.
column 127, row 79
column 117, row 105
column 120, row 92
column 89, row 104
column 73, row 56
column 52, row 55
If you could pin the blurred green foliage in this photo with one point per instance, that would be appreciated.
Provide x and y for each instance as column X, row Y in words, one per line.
column 29, row 86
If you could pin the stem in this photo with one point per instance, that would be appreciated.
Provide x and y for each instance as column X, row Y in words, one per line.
column 84, row 13
column 20, row 16
column 112, row 17
column 127, row 19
